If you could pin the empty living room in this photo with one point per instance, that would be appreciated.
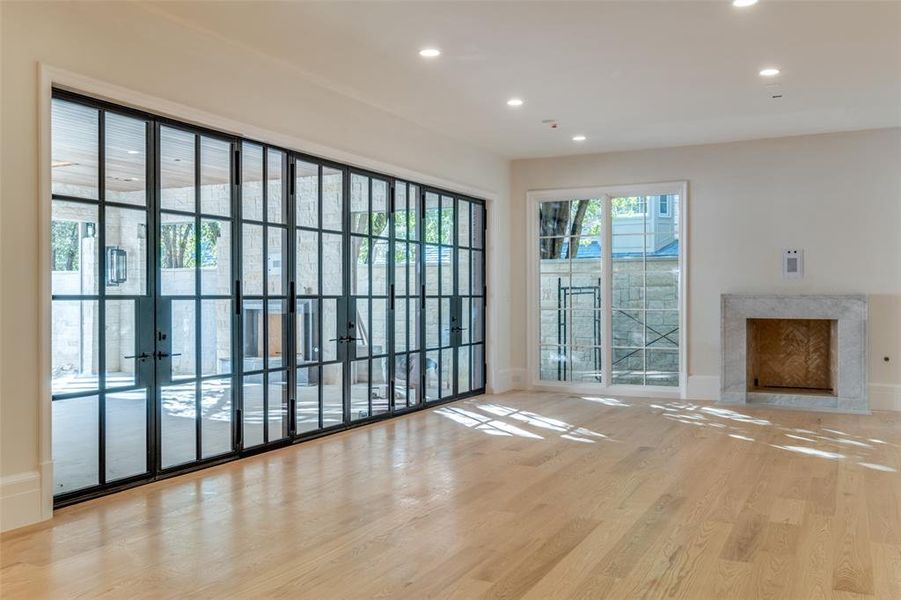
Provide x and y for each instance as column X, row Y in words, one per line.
column 544, row 299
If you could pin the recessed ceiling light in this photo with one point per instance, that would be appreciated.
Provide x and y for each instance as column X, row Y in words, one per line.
column 769, row 72
column 743, row 3
column 430, row 52
column 514, row 102
column 579, row 138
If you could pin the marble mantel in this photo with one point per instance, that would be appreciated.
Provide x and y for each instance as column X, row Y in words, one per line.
column 850, row 313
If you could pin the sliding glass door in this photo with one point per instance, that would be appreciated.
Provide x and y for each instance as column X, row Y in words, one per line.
column 609, row 288
column 215, row 297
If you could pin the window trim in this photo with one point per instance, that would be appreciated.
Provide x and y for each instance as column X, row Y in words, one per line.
column 534, row 198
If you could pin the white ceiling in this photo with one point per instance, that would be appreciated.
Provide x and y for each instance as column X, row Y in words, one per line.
column 626, row 74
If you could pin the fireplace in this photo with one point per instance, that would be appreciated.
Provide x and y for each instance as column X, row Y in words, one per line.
column 807, row 352
column 793, row 356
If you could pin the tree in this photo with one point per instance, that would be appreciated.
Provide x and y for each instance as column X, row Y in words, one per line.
column 64, row 242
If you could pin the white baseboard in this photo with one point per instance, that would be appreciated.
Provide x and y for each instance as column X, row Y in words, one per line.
column 885, row 396
column 21, row 499
column 703, row 387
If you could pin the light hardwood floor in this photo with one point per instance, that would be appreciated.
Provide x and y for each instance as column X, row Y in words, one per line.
column 522, row 495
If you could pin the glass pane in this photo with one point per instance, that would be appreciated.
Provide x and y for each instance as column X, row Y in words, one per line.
column 252, row 260
column 253, row 336
column 553, row 365
column 332, row 199
column 277, row 264
column 586, row 218
column 553, row 251
column 126, row 251
column 359, row 204
column 253, row 413
column 463, row 369
column 553, row 292
column 307, row 263
column 662, row 328
column 414, row 387
column 215, row 257
column 75, row 444
column 126, row 434
column 183, row 339
column 400, row 325
column 447, row 270
column 379, row 216
column 126, row 159
column 359, row 280
column 332, row 269
column 277, row 327
column 662, row 283
column 177, row 255
column 447, row 220
column 432, row 323
column 478, row 367
column 75, row 346
column 379, row 381
column 431, row 269
column 553, row 219
column 332, row 398
column 628, row 214
column 463, row 231
column 415, row 310
column 379, row 267
column 478, row 226
column 400, row 269
column 628, row 328
column 308, row 330
column 413, row 213
column 73, row 248
column 307, row 195
column 329, row 329
column 215, row 417
column 628, row 366
column 463, row 272
column 359, row 389
column 252, row 181
column 275, row 205
column 215, row 177
column 278, row 405
column 307, row 399
column 478, row 274
column 400, row 210
column 586, row 365
column 361, row 331
column 585, row 326
column 379, row 326
column 176, row 169
column 432, row 218
column 215, row 337
column 662, row 367
column 478, row 320
column 465, row 315
column 120, row 343
column 178, row 430
column 431, row 375
column 445, row 322
column 75, row 147
column 447, row 372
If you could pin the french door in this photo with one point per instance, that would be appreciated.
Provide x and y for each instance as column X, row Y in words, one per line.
column 214, row 297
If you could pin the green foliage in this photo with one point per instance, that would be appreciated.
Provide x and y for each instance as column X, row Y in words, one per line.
column 177, row 244
column 64, row 242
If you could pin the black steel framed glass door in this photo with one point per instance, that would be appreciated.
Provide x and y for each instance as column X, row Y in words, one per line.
column 214, row 297
column 194, row 305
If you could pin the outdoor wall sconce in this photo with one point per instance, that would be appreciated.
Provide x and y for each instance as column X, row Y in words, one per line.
column 116, row 265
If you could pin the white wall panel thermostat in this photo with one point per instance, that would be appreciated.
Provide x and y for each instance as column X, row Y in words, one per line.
column 792, row 263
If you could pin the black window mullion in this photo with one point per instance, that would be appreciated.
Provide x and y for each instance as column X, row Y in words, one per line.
column 101, row 291
column 265, row 294
column 198, row 319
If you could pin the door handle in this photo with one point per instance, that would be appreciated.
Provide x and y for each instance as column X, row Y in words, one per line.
column 457, row 328
column 140, row 356
column 161, row 355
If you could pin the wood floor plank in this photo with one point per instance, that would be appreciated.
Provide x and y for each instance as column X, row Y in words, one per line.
column 520, row 495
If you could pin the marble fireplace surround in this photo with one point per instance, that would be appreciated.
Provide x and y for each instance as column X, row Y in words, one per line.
column 850, row 312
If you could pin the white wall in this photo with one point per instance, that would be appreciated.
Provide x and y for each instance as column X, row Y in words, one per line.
column 138, row 49
column 837, row 196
